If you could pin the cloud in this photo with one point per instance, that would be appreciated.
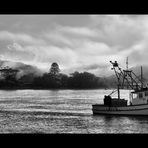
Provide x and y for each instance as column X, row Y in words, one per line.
column 116, row 30
column 15, row 46
column 74, row 44
column 95, row 66
column 40, row 56
column 63, row 56
column 79, row 31
column 20, row 37
column 56, row 38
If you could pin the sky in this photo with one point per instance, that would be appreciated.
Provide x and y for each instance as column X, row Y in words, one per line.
column 75, row 42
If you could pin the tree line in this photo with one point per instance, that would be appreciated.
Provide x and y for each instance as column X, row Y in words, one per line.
column 76, row 80
column 56, row 80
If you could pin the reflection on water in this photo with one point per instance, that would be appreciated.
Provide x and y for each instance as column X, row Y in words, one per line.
column 62, row 111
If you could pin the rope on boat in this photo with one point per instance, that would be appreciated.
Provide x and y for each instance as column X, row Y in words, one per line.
column 112, row 92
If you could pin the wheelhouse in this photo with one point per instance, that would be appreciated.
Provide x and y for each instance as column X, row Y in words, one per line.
column 139, row 97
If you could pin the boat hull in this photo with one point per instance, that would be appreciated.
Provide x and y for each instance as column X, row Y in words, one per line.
column 132, row 110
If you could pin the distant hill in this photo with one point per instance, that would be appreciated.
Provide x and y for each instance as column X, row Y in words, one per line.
column 26, row 72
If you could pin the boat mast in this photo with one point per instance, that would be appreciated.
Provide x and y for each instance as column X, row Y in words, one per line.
column 141, row 77
column 118, row 92
column 127, row 63
column 115, row 65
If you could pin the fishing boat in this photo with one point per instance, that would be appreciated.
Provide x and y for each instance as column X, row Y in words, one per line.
column 138, row 95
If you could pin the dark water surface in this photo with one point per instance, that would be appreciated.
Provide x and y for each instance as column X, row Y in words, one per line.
column 62, row 111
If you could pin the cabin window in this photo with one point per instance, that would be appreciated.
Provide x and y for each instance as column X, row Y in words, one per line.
column 140, row 95
column 146, row 93
column 134, row 96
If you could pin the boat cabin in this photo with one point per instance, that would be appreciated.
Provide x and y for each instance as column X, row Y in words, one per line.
column 139, row 97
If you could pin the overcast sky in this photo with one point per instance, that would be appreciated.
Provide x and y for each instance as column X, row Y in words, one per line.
column 75, row 42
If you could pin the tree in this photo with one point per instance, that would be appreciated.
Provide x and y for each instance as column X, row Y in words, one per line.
column 85, row 80
column 63, row 80
column 54, row 70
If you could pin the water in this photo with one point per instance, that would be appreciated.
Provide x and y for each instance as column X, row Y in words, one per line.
column 62, row 111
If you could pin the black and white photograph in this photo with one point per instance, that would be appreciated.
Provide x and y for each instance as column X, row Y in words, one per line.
column 73, row 73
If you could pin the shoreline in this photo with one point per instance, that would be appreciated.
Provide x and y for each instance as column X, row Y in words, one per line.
column 28, row 88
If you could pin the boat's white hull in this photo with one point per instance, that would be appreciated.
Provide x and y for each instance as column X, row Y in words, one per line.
column 127, row 110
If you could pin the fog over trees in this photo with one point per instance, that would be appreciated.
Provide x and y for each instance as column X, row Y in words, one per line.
column 54, row 79
column 76, row 80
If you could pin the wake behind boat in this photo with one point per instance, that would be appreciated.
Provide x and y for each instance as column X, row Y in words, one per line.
column 138, row 96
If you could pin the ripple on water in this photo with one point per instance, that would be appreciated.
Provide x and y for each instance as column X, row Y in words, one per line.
column 63, row 111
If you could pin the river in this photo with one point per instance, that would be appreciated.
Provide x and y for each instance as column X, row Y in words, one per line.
column 62, row 111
